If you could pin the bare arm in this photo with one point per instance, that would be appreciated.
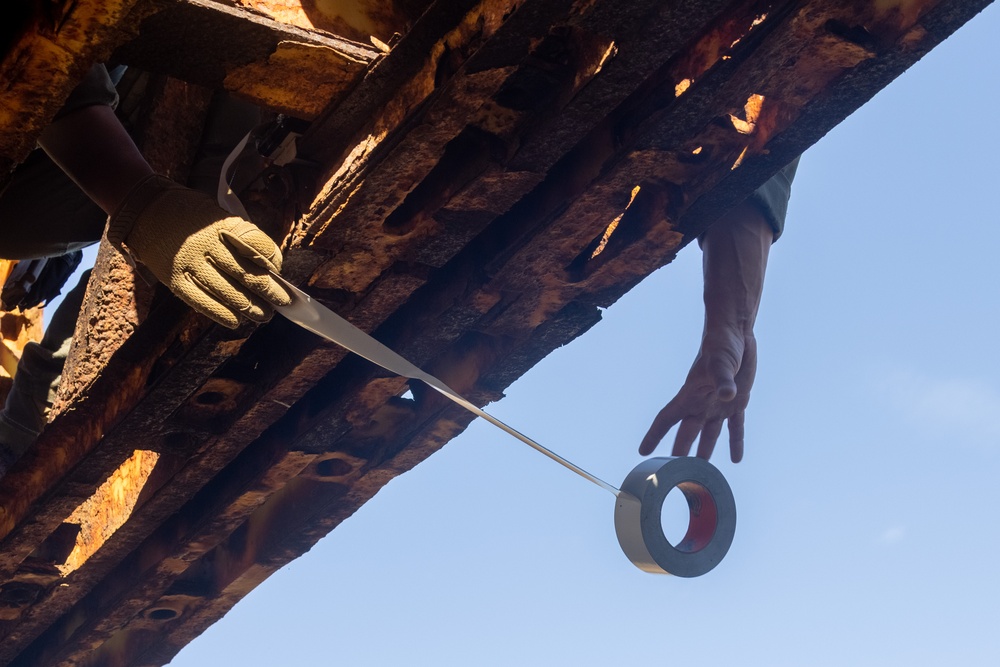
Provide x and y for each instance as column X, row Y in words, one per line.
column 717, row 387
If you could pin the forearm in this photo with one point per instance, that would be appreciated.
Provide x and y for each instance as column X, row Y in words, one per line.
column 93, row 148
column 735, row 251
column 717, row 388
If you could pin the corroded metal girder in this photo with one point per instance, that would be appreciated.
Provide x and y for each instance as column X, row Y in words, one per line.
column 289, row 68
column 506, row 169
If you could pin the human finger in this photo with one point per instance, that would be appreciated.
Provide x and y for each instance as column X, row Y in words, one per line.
column 664, row 421
column 736, row 424
column 709, row 436
column 251, row 271
column 251, row 242
column 194, row 293
column 233, row 293
column 686, row 433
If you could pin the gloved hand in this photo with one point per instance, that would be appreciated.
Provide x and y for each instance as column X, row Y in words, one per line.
column 180, row 236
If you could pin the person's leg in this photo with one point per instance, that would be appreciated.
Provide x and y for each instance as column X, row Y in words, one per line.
column 25, row 414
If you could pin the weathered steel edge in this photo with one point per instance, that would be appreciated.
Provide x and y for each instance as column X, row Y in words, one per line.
column 844, row 97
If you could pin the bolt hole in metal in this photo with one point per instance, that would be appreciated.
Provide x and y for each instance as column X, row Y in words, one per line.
column 210, row 398
column 162, row 614
column 19, row 594
column 333, row 468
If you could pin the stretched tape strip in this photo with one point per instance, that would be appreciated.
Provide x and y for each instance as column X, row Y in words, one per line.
column 322, row 321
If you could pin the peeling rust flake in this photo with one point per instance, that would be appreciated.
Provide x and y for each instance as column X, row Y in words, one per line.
column 293, row 68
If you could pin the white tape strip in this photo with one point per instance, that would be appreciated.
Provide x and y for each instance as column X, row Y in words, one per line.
column 322, row 321
column 227, row 198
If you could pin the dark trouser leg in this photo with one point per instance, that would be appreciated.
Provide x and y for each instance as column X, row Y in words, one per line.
column 37, row 378
column 44, row 214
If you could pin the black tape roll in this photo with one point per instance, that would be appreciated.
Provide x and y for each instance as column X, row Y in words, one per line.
column 712, row 522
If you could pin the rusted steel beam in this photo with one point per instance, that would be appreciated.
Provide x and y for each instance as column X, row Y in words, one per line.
column 93, row 567
column 283, row 67
column 845, row 94
column 87, row 478
column 112, row 450
column 437, row 32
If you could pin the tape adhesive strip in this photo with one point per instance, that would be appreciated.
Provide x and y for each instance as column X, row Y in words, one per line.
column 314, row 316
column 712, row 522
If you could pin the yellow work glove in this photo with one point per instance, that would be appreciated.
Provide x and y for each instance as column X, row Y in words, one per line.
column 180, row 236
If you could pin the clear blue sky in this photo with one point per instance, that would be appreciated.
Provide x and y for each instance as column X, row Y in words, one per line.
column 868, row 496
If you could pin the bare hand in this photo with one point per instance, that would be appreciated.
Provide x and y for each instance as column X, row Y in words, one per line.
column 717, row 389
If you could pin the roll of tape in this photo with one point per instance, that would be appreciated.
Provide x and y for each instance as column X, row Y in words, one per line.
column 711, row 527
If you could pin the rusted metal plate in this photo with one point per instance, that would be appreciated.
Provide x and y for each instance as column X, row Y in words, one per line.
column 506, row 169
column 277, row 65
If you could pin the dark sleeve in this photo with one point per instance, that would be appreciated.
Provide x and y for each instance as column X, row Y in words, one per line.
column 772, row 197
column 95, row 88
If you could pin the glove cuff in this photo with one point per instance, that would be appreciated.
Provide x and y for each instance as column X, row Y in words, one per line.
column 142, row 194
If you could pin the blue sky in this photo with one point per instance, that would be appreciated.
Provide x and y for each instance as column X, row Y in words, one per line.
column 867, row 498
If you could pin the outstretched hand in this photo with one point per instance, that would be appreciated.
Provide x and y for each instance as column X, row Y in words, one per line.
column 717, row 388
